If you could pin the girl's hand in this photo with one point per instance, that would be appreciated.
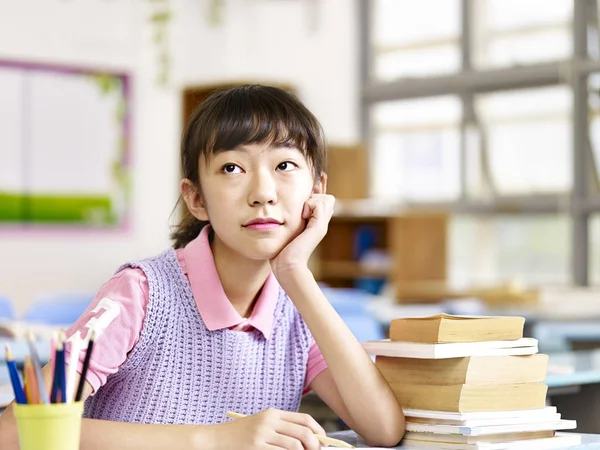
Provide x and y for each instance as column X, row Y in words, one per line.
column 271, row 429
column 317, row 210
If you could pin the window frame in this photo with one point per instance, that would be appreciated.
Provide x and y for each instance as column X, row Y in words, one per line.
column 584, row 198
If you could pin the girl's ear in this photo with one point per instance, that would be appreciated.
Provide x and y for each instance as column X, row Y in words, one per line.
column 321, row 185
column 193, row 199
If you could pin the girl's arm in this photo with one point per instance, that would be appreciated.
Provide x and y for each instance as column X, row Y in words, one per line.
column 268, row 429
column 351, row 385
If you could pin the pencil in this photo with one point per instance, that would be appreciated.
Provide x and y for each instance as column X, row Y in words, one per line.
column 14, row 377
column 31, row 386
column 53, row 340
column 325, row 440
column 37, row 367
column 62, row 380
column 58, row 393
column 76, row 347
column 86, row 364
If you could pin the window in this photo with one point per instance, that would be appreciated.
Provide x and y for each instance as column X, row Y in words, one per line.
column 501, row 127
column 594, row 125
column 595, row 250
column 500, row 249
column 415, row 38
column 514, row 32
column 416, row 149
column 529, row 143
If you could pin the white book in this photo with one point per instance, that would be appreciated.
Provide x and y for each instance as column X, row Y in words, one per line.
column 488, row 422
column 446, row 415
column 491, row 429
column 558, row 441
column 385, row 347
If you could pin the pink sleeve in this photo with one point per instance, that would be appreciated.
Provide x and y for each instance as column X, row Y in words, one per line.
column 116, row 314
column 314, row 366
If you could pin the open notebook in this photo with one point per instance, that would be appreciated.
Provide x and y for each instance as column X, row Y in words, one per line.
column 351, row 438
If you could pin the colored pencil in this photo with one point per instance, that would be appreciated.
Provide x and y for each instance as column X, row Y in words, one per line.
column 53, row 340
column 31, row 385
column 14, row 377
column 59, row 381
column 325, row 440
column 86, row 364
column 37, row 367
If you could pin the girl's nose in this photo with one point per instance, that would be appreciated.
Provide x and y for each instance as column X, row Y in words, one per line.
column 262, row 189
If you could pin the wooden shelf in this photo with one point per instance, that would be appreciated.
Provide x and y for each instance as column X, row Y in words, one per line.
column 415, row 243
column 350, row 270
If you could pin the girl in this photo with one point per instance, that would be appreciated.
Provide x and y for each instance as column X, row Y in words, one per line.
column 231, row 318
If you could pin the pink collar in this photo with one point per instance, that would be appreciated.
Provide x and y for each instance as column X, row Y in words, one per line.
column 214, row 306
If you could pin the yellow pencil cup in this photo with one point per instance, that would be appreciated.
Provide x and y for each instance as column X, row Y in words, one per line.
column 49, row 427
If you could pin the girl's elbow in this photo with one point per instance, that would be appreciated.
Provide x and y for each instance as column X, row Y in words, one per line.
column 389, row 434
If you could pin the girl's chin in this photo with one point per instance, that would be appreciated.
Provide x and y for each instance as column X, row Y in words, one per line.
column 264, row 255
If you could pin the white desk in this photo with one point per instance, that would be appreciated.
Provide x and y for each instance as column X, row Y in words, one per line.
column 588, row 441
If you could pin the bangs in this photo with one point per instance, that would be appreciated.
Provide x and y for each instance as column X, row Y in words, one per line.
column 251, row 116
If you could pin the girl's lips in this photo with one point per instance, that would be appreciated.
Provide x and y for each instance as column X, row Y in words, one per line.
column 263, row 226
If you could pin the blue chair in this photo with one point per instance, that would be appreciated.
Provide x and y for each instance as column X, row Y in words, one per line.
column 59, row 309
column 351, row 304
column 7, row 309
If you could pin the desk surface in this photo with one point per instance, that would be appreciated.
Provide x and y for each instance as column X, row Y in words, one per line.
column 588, row 441
column 573, row 368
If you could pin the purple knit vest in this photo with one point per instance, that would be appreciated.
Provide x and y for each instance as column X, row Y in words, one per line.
column 182, row 373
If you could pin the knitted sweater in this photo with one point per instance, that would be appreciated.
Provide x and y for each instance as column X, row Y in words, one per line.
column 182, row 373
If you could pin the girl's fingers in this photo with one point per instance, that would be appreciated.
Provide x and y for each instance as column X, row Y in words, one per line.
column 296, row 436
column 303, row 419
column 281, row 441
column 306, row 211
column 321, row 206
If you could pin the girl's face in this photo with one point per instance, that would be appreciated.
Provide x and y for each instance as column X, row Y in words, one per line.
column 253, row 197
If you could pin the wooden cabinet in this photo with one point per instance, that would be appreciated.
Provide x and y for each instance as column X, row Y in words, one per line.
column 347, row 172
column 415, row 245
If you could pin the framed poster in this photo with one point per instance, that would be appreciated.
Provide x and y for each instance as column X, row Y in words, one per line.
column 64, row 146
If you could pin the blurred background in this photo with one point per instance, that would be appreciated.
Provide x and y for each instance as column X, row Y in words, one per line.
column 463, row 149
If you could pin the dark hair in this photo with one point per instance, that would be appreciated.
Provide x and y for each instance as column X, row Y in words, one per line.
column 247, row 114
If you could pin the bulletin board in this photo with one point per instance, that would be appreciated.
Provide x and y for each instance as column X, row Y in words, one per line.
column 64, row 146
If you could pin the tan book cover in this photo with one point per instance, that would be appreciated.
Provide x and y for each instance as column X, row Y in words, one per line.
column 443, row 328
column 467, row 370
column 460, row 439
column 470, row 397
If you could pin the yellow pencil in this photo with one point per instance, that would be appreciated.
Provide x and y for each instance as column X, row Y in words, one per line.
column 322, row 439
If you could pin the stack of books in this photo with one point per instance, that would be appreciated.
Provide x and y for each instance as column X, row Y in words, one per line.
column 470, row 383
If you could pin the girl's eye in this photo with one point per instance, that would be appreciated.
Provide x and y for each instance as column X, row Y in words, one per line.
column 231, row 168
column 286, row 166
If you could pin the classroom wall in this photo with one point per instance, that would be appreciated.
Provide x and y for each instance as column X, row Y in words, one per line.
column 256, row 40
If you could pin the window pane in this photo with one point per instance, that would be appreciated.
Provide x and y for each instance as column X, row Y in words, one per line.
column 407, row 39
column 514, row 14
column 531, row 250
column 527, row 48
column 514, row 32
column 594, row 270
column 594, row 119
column 399, row 22
column 414, row 63
column 528, row 136
column 416, row 149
